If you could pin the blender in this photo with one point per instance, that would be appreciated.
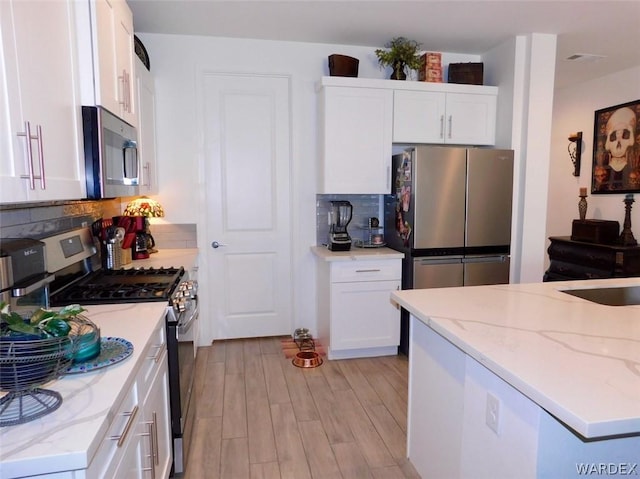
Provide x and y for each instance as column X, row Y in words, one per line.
column 340, row 216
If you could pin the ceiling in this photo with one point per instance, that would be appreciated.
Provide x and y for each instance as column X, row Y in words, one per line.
column 607, row 28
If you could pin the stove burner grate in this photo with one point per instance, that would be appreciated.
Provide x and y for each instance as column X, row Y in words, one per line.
column 121, row 286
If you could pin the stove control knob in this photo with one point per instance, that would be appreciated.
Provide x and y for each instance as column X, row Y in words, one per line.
column 180, row 305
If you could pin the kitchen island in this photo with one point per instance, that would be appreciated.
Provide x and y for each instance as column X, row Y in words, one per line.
column 522, row 381
column 76, row 440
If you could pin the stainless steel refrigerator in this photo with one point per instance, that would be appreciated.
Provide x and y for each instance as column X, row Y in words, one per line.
column 450, row 213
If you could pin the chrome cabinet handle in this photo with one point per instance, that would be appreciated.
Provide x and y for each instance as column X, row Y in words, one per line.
column 441, row 126
column 28, row 138
column 38, row 136
column 367, row 271
column 152, row 435
column 154, row 444
column 450, row 125
column 122, row 437
column 41, row 153
column 159, row 350
column 147, row 168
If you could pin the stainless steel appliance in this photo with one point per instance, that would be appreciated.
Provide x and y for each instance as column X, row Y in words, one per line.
column 340, row 217
column 450, row 213
column 110, row 153
column 80, row 280
column 24, row 280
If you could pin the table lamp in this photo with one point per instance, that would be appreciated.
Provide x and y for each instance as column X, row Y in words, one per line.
column 147, row 208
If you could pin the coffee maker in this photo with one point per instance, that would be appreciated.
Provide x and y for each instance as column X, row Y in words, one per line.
column 340, row 216
column 140, row 245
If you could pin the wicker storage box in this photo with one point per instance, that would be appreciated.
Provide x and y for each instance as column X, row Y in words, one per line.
column 467, row 73
column 343, row 66
column 595, row 231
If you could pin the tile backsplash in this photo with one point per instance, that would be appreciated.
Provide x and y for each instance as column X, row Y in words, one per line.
column 40, row 220
column 172, row 236
column 364, row 207
column 44, row 219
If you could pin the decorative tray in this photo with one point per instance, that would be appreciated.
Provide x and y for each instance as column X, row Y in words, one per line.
column 112, row 351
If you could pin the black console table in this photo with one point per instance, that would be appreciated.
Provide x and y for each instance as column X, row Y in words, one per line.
column 580, row 260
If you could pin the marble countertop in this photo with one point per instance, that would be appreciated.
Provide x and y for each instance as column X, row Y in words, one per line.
column 578, row 360
column 356, row 254
column 68, row 438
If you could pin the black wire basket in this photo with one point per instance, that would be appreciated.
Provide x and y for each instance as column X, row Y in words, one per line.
column 27, row 362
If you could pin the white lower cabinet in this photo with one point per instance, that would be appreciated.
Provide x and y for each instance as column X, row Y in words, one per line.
column 138, row 443
column 356, row 316
column 156, row 432
column 120, row 439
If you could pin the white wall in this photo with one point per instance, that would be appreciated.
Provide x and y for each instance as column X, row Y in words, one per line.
column 573, row 111
column 175, row 59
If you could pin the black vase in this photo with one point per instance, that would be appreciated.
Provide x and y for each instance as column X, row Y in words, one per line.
column 398, row 71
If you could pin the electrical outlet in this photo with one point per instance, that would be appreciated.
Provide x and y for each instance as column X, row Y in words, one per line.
column 493, row 413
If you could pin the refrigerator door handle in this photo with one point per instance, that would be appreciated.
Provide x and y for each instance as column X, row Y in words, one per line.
column 443, row 260
column 486, row 259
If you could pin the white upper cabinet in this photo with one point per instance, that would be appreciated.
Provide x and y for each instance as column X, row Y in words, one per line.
column 360, row 119
column 39, row 93
column 146, row 101
column 112, row 54
column 445, row 117
column 355, row 142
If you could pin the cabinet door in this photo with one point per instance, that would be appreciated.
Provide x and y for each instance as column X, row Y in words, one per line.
column 362, row 315
column 156, row 444
column 131, row 465
column 40, row 74
column 356, row 142
column 470, row 119
column 418, row 117
column 113, row 58
column 146, row 101
column 125, row 65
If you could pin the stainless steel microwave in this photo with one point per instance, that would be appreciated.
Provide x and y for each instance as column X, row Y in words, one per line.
column 112, row 167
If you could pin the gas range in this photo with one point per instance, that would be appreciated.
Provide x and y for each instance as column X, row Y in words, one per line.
column 73, row 259
column 121, row 286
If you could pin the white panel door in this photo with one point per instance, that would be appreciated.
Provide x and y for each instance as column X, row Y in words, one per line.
column 247, row 170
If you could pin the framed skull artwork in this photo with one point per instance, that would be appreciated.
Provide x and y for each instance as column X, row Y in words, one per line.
column 616, row 149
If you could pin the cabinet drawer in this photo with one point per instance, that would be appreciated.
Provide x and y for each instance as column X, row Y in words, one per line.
column 122, row 430
column 367, row 270
column 152, row 358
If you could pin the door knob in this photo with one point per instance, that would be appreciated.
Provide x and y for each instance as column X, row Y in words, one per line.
column 215, row 244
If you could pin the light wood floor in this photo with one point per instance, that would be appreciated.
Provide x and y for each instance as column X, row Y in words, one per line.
column 259, row 416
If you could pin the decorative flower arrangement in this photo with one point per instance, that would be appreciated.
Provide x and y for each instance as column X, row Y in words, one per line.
column 43, row 323
column 401, row 53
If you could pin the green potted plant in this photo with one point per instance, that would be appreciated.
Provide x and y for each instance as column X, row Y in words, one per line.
column 401, row 54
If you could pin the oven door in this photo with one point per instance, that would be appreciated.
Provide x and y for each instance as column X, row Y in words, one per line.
column 181, row 345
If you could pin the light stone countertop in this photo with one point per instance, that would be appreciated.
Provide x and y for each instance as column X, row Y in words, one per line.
column 578, row 360
column 356, row 254
column 68, row 438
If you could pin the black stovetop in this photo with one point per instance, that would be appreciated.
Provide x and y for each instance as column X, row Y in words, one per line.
column 120, row 286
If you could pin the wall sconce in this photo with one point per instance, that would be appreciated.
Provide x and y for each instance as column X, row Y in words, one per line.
column 575, row 151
